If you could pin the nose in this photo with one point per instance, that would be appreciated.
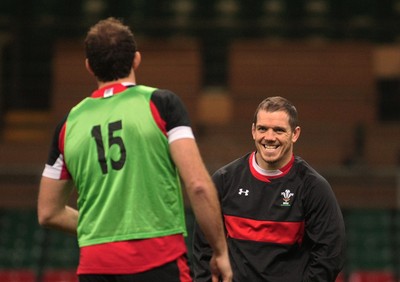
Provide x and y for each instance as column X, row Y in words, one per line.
column 269, row 135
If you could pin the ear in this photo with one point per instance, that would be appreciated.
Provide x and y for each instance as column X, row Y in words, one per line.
column 88, row 68
column 296, row 134
column 253, row 131
column 136, row 60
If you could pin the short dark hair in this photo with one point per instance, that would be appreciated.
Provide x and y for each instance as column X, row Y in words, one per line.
column 110, row 48
column 277, row 103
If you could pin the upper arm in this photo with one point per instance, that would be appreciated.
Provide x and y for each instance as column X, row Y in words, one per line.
column 323, row 214
column 187, row 158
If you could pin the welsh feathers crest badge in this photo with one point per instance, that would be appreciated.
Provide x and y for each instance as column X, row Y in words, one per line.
column 286, row 196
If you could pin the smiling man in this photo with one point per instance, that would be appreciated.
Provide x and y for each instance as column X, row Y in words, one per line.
column 281, row 217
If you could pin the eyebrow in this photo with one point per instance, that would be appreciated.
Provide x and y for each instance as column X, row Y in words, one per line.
column 273, row 127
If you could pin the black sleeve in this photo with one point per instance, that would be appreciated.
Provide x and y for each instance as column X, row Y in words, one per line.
column 171, row 108
column 325, row 232
column 54, row 147
column 202, row 253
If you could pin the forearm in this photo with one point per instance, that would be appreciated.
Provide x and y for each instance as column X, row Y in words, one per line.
column 201, row 192
column 53, row 209
column 323, row 270
column 326, row 260
column 208, row 214
column 65, row 220
column 202, row 254
column 204, row 202
column 205, row 205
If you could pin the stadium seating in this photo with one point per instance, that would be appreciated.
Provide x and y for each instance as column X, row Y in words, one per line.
column 369, row 239
column 20, row 239
column 372, row 245
column 28, row 251
column 59, row 276
column 372, row 276
column 17, row 275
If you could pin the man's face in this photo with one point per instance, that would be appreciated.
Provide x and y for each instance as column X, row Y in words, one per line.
column 274, row 139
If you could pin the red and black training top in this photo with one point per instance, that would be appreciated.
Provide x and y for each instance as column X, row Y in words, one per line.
column 284, row 225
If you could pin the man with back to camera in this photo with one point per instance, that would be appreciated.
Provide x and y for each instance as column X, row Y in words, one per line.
column 281, row 217
column 125, row 148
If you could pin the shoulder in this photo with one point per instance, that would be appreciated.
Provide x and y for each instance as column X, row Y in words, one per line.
column 317, row 193
column 171, row 108
column 234, row 166
column 165, row 97
column 160, row 97
column 309, row 174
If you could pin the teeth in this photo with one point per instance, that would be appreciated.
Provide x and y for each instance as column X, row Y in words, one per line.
column 270, row 147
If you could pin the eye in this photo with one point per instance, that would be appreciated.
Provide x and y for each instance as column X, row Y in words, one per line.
column 279, row 130
column 262, row 129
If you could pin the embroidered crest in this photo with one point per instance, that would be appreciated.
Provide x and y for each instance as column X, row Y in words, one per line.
column 287, row 195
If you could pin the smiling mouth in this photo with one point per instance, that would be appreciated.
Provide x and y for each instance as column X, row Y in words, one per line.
column 270, row 147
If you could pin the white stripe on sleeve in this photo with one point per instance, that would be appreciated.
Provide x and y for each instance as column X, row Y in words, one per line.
column 180, row 132
column 54, row 171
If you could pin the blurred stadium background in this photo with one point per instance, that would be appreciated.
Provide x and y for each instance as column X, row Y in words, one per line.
column 337, row 60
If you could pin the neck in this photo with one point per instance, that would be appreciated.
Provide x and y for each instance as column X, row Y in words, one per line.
column 130, row 79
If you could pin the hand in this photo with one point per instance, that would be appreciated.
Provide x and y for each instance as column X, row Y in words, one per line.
column 221, row 268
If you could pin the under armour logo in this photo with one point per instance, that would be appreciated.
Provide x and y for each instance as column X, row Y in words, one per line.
column 245, row 192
